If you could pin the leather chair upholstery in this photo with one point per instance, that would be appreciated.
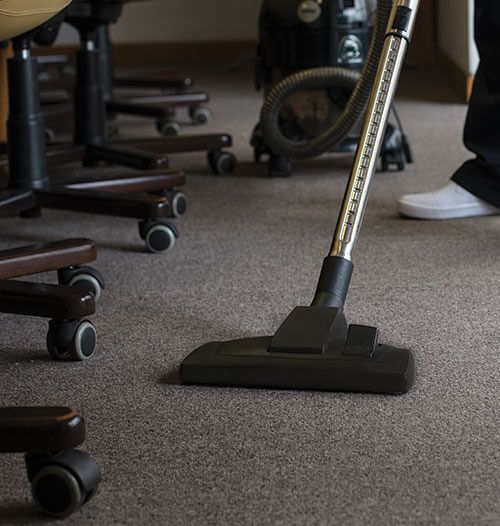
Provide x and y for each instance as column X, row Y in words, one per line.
column 19, row 16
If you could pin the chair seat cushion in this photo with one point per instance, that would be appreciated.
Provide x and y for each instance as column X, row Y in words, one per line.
column 19, row 16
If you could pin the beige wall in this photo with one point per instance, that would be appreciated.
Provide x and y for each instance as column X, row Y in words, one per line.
column 455, row 32
column 183, row 20
column 206, row 20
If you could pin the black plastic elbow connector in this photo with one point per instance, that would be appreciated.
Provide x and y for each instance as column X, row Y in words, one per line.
column 333, row 282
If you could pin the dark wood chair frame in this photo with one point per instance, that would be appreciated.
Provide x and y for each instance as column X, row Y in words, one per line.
column 62, row 478
column 67, row 304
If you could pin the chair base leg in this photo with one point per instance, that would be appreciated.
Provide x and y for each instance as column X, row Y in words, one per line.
column 132, row 158
column 14, row 202
column 139, row 206
column 162, row 83
column 196, row 143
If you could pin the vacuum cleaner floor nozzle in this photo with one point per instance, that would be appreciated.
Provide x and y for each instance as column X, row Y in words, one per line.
column 314, row 349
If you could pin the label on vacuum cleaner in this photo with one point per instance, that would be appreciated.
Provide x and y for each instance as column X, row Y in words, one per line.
column 309, row 11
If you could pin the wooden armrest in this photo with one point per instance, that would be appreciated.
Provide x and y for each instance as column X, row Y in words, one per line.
column 35, row 259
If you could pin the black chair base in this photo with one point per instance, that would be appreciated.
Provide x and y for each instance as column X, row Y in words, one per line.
column 148, row 79
column 162, row 108
column 220, row 161
column 94, row 100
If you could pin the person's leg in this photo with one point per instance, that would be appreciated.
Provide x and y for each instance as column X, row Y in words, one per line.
column 481, row 176
column 475, row 186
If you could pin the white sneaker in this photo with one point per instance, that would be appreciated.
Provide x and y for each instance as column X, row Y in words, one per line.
column 450, row 202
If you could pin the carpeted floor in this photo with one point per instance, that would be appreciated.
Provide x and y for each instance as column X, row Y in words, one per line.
column 250, row 249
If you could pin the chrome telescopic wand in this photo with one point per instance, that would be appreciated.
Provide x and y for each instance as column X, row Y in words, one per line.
column 398, row 35
column 337, row 268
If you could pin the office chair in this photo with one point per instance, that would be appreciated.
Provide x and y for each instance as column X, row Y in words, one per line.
column 150, row 197
column 62, row 478
column 160, row 107
column 88, row 16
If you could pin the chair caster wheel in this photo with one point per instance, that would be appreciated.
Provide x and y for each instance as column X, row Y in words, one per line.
column 56, row 491
column 112, row 130
column 257, row 142
column 279, row 166
column 168, row 128
column 62, row 483
column 50, row 135
column 200, row 115
column 71, row 340
column 222, row 163
column 258, row 153
column 87, row 278
column 392, row 158
column 178, row 202
column 159, row 236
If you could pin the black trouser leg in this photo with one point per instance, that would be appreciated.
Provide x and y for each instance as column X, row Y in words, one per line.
column 481, row 176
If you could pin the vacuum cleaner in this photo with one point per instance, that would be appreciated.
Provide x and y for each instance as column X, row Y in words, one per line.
column 332, row 37
column 315, row 348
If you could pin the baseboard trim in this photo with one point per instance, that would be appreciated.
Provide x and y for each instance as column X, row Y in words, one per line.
column 148, row 53
column 461, row 81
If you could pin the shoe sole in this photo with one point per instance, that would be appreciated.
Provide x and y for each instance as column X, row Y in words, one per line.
column 420, row 212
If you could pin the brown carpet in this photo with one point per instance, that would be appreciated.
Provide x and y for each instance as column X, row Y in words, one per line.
column 250, row 249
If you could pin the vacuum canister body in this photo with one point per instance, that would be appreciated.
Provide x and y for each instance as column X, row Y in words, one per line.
column 302, row 34
column 298, row 35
